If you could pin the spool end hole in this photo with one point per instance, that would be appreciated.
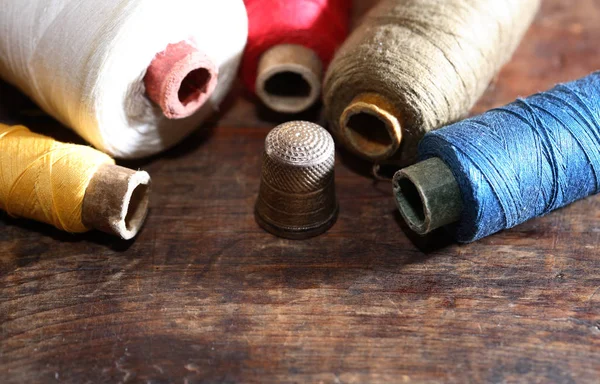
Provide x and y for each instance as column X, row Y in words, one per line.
column 137, row 208
column 369, row 134
column 288, row 84
column 410, row 202
column 195, row 83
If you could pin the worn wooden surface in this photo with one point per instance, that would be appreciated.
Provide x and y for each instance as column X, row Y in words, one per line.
column 203, row 295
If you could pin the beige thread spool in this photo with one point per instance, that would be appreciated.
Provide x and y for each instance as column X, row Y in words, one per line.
column 417, row 65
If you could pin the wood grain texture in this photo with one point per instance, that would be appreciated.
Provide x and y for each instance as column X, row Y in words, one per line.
column 204, row 296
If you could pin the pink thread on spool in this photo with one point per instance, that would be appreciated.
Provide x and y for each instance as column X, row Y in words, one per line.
column 296, row 38
column 180, row 80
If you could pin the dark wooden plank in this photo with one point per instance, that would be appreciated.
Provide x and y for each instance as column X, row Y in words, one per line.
column 203, row 295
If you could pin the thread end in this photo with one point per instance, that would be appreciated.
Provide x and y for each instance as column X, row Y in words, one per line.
column 116, row 201
column 427, row 196
column 289, row 78
column 371, row 125
column 180, row 80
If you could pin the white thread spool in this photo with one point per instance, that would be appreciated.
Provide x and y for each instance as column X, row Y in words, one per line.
column 84, row 61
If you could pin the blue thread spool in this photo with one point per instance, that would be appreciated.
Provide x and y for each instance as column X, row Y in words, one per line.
column 511, row 164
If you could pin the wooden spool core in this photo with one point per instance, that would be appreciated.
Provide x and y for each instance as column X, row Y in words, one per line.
column 371, row 126
column 289, row 78
column 180, row 80
column 116, row 201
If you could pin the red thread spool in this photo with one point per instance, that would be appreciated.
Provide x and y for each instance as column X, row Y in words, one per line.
column 180, row 80
column 290, row 43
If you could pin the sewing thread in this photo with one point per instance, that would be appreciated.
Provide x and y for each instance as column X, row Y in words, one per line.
column 320, row 25
column 84, row 63
column 45, row 180
column 523, row 160
column 429, row 60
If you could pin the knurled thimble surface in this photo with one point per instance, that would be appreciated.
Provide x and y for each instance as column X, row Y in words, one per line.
column 297, row 191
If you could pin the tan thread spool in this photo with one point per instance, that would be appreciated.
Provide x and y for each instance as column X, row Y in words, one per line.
column 417, row 65
column 289, row 78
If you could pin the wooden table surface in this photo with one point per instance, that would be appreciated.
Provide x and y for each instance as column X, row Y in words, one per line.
column 204, row 295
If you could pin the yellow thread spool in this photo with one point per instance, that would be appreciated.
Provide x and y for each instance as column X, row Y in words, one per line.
column 72, row 187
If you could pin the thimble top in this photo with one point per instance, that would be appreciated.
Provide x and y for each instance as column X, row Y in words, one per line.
column 297, row 194
column 300, row 143
column 299, row 157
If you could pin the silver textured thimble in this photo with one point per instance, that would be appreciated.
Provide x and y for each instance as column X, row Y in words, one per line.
column 297, row 191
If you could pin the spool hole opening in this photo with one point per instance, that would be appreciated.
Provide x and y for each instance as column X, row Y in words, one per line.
column 195, row 83
column 288, row 84
column 138, row 206
column 410, row 202
column 369, row 133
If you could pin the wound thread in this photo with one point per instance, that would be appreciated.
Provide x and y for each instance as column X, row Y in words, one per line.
column 84, row 63
column 317, row 25
column 45, row 180
column 523, row 160
column 430, row 60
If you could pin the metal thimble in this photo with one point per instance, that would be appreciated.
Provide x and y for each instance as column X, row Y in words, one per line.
column 297, row 191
